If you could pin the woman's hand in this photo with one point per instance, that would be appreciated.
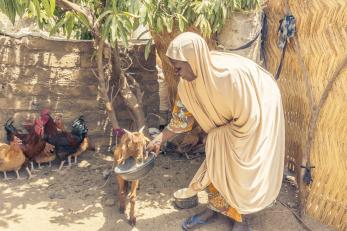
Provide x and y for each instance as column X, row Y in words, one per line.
column 154, row 145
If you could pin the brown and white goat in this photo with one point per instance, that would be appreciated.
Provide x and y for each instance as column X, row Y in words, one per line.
column 132, row 144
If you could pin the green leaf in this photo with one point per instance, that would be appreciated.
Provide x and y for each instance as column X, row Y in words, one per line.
column 21, row 6
column 130, row 15
column 47, row 7
column 82, row 19
column 114, row 27
column 159, row 24
column 168, row 24
column 181, row 21
column 9, row 8
column 38, row 12
column 148, row 49
column 52, row 4
column 123, row 33
column 69, row 24
column 106, row 27
column 136, row 23
column 103, row 15
column 127, row 23
column 198, row 20
column 57, row 26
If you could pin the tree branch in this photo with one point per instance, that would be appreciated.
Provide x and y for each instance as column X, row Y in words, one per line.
column 73, row 6
column 101, row 77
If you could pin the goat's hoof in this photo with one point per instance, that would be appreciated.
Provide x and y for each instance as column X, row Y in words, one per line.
column 132, row 221
column 121, row 210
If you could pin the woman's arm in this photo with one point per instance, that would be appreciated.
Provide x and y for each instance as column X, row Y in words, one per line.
column 155, row 144
column 181, row 121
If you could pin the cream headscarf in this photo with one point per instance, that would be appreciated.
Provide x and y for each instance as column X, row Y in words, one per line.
column 239, row 105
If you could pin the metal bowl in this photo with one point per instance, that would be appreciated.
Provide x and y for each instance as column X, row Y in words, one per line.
column 185, row 202
column 130, row 171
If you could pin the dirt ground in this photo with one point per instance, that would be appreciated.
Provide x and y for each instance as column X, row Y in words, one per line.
column 73, row 200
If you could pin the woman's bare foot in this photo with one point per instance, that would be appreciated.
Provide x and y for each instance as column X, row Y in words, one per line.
column 199, row 219
column 206, row 214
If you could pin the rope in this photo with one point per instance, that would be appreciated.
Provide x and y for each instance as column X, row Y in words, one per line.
column 303, row 224
column 244, row 46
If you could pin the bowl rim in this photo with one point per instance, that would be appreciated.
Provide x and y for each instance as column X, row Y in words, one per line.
column 154, row 156
column 186, row 198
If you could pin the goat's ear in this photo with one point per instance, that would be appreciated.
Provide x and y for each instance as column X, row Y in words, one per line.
column 146, row 140
column 141, row 129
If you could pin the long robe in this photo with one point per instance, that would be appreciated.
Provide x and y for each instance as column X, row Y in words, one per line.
column 238, row 104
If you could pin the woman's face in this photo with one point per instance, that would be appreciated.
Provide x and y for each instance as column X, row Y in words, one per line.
column 183, row 70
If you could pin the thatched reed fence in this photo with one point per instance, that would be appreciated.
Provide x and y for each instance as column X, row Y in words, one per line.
column 322, row 37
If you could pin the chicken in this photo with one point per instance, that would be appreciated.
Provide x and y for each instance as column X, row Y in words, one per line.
column 65, row 143
column 132, row 144
column 32, row 142
column 86, row 143
column 46, row 156
column 12, row 157
column 11, row 131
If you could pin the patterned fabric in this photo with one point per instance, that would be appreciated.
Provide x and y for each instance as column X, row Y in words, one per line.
column 217, row 203
column 182, row 120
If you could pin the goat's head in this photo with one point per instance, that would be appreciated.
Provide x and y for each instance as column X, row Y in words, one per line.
column 134, row 140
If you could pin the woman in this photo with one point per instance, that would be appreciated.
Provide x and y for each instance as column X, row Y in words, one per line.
column 238, row 104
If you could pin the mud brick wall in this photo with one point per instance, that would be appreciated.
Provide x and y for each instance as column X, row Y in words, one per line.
column 37, row 73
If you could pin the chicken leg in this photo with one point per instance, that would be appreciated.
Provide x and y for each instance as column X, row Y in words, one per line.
column 61, row 165
column 69, row 161
column 5, row 176
column 29, row 173
column 18, row 176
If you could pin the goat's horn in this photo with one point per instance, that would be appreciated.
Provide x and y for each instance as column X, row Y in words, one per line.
column 141, row 129
column 126, row 131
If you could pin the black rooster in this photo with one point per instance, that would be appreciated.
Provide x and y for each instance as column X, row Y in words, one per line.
column 66, row 143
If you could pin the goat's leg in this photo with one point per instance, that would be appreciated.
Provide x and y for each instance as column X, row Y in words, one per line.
column 39, row 166
column 75, row 156
column 132, row 196
column 121, row 194
column 32, row 166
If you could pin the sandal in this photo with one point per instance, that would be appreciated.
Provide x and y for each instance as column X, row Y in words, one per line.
column 194, row 222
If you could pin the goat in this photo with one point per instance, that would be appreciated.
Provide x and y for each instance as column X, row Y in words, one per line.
column 132, row 144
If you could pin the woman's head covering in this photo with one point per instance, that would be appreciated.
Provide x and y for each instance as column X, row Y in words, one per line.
column 192, row 48
column 189, row 47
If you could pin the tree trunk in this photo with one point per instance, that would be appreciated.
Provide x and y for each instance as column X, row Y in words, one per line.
column 242, row 28
column 103, row 85
column 132, row 100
